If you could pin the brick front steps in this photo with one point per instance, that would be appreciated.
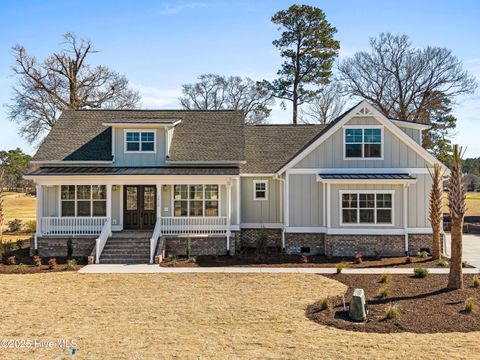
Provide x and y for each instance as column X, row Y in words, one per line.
column 127, row 248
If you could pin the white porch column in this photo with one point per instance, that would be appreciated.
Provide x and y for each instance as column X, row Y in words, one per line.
column 405, row 215
column 159, row 201
column 229, row 213
column 39, row 211
column 109, row 207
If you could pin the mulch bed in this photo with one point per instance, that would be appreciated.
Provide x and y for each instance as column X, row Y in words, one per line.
column 251, row 259
column 425, row 305
column 22, row 256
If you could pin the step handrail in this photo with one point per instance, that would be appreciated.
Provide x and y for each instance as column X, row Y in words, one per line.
column 102, row 240
column 154, row 239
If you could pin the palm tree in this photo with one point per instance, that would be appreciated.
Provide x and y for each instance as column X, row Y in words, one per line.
column 456, row 204
column 436, row 208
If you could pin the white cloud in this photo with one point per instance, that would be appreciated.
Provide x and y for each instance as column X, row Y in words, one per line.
column 156, row 98
column 172, row 9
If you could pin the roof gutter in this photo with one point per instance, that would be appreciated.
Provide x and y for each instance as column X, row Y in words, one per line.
column 70, row 162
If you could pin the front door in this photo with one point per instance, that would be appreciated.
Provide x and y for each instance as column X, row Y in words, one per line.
column 140, row 206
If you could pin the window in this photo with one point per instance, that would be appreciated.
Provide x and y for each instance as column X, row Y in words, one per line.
column 260, row 190
column 363, row 143
column 366, row 208
column 196, row 200
column 139, row 141
column 83, row 200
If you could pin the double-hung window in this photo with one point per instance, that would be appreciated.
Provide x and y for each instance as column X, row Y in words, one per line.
column 196, row 200
column 260, row 190
column 139, row 141
column 367, row 208
column 363, row 143
column 83, row 200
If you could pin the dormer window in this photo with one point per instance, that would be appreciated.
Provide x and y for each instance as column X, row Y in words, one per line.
column 363, row 142
column 140, row 141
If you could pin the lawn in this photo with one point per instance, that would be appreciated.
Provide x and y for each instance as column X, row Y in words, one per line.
column 191, row 316
column 473, row 204
column 18, row 206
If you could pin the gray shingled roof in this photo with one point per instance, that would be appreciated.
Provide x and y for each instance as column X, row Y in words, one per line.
column 84, row 170
column 201, row 135
column 269, row 147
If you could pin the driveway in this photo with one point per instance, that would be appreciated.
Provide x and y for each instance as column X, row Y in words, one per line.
column 471, row 248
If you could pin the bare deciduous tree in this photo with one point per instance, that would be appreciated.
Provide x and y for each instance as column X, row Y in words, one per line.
column 63, row 81
column 325, row 106
column 216, row 92
column 456, row 205
column 436, row 208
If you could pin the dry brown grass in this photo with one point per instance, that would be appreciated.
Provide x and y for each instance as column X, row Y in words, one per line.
column 191, row 316
column 472, row 204
column 18, row 206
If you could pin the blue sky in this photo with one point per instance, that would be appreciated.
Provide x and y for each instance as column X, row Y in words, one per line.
column 160, row 45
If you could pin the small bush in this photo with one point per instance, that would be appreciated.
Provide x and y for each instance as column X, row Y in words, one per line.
column 70, row 265
column 19, row 244
column 443, row 263
column 465, row 264
column 392, row 312
column 14, row 225
column 304, row 259
column 408, row 260
column 383, row 292
column 422, row 254
column 340, row 266
column 420, row 272
column 326, row 303
column 476, row 281
column 30, row 226
column 20, row 268
column 358, row 258
column 37, row 260
column 11, row 260
column 7, row 247
column 69, row 248
column 173, row 261
column 385, row 279
column 470, row 305
column 52, row 263
column 192, row 259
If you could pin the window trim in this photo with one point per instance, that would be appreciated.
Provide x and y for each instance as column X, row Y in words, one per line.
column 363, row 127
column 358, row 223
column 255, row 182
column 125, row 131
column 76, row 200
column 172, row 194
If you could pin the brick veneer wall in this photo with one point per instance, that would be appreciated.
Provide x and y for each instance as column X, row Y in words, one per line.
column 420, row 241
column 208, row 245
column 295, row 241
column 57, row 246
column 250, row 237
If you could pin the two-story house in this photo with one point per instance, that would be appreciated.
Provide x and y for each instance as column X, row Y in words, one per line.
column 117, row 181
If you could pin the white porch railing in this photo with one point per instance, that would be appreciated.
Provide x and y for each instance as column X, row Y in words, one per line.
column 102, row 240
column 72, row 225
column 194, row 225
column 154, row 240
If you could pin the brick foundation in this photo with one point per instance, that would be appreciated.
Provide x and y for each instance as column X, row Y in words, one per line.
column 420, row 241
column 369, row 245
column 294, row 242
column 57, row 246
column 208, row 245
column 250, row 237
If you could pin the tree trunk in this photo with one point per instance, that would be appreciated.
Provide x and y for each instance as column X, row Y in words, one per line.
column 436, row 248
column 295, row 103
column 455, row 278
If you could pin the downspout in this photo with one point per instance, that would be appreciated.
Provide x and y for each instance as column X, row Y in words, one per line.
column 282, row 190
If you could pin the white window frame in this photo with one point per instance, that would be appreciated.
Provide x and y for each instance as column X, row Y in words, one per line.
column 358, row 223
column 363, row 127
column 75, row 201
column 140, row 131
column 255, row 182
column 204, row 200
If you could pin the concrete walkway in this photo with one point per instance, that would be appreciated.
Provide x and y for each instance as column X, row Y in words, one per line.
column 155, row 269
column 471, row 248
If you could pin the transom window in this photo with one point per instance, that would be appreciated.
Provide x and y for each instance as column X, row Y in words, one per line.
column 196, row 200
column 260, row 190
column 83, row 200
column 367, row 208
column 363, row 143
column 140, row 141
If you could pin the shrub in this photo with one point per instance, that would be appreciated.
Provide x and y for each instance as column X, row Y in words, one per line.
column 420, row 272
column 20, row 268
column 192, row 259
column 304, row 259
column 326, row 303
column 70, row 266
column 14, row 225
column 52, row 263
column 340, row 266
column 408, row 260
column 30, row 226
column 383, row 292
column 262, row 243
column 69, row 248
column 443, row 263
column 19, row 244
column 470, row 305
column 173, row 261
column 392, row 312
column 385, row 279
column 465, row 264
column 11, row 260
column 7, row 247
column 37, row 260
column 476, row 281
column 358, row 258
column 422, row 254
